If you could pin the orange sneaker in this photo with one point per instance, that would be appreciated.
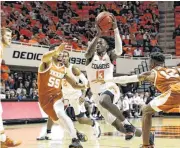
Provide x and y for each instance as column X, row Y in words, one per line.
column 10, row 143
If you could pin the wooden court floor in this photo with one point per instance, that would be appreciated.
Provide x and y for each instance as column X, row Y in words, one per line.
column 167, row 135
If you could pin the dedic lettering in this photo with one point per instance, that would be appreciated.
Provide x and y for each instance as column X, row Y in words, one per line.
column 27, row 55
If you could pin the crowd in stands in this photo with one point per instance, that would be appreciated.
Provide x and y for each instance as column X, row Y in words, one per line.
column 19, row 86
column 45, row 23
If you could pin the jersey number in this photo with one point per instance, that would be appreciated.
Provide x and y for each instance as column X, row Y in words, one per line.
column 53, row 82
column 64, row 83
column 169, row 73
column 100, row 74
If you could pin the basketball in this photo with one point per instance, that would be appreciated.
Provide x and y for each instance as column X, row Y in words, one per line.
column 104, row 21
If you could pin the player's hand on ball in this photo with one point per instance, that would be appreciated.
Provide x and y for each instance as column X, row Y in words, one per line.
column 114, row 21
column 97, row 29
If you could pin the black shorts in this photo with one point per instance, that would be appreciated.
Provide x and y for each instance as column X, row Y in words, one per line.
column 107, row 92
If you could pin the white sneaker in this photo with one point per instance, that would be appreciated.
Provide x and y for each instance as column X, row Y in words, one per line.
column 97, row 129
column 46, row 136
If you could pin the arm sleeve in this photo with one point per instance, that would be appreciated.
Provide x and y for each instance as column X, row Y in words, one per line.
column 118, row 42
column 124, row 79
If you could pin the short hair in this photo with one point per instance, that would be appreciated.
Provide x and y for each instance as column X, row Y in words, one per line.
column 3, row 30
column 52, row 47
column 158, row 57
column 110, row 41
column 66, row 52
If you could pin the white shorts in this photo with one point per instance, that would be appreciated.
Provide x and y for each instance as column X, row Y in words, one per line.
column 74, row 102
column 109, row 118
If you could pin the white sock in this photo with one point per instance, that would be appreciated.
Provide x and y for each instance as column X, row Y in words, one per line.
column 125, row 122
column 3, row 137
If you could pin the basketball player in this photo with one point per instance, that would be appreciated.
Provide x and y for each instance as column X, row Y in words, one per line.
column 50, row 75
column 100, row 55
column 75, row 98
column 5, row 141
column 167, row 81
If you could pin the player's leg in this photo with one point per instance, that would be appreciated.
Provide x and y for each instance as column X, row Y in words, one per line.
column 106, row 101
column 119, row 126
column 46, row 135
column 56, row 112
column 79, row 110
column 148, row 111
column 164, row 102
column 4, row 140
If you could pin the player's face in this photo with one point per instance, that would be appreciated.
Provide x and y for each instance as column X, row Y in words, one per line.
column 6, row 38
column 65, row 58
column 60, row 57
column 101, row 45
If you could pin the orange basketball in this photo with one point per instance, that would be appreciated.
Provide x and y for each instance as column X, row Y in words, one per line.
column 104, row 21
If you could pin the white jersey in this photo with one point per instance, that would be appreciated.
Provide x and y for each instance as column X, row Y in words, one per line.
column 101, row 68
column 67, row 89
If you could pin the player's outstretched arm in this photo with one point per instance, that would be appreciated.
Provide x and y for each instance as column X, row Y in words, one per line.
column 118, row 42
column 73, row 83
column 129, row 79
column 48, row 56
column 92, row 46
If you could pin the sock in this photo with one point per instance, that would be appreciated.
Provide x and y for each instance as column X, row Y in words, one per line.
column 125, row 122
column 48, row 131
column 93, row 123
column 3, row 137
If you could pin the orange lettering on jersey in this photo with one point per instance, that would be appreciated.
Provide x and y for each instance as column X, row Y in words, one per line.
column 166, row 77
column 100, row 74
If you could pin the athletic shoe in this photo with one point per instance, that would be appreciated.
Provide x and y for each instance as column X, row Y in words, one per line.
column 75, row 143
column 130, row 131
column 46, row 136
column 10, row 143
column 82, row 137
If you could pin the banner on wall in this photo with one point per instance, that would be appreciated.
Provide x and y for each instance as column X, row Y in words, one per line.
column 22, row 110
column 22, row 55
column 30, row 56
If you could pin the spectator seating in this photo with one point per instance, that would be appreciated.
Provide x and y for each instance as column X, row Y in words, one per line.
column 76, row 19
column 177, row 24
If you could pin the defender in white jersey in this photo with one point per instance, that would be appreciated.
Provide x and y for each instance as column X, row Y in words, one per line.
column 6, row 37
column 100, row 54
column 76, row 99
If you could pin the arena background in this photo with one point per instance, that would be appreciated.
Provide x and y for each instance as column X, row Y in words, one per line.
column 144, row 27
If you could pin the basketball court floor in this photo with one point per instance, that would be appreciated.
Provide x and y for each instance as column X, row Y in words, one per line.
column 167, row 132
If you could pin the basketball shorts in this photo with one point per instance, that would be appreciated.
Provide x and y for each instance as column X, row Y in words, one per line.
column 109, row 118
column 74, row 102
column 49, row 109
column 169, row 101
